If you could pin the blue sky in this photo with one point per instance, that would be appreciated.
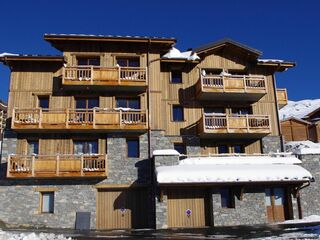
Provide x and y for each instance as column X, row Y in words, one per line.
column 283, row 29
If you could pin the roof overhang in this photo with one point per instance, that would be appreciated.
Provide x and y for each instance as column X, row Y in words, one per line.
column 280, row 66
column 9, row 60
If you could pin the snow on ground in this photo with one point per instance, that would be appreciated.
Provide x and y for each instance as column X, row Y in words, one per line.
column 299, row 109
column 5, row 235
column 309, row 219
column 303, row 147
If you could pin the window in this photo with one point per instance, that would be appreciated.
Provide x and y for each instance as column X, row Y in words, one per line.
column 33, row 147
column 238, row 149
column 85, row 61
column 128, row 103
column 87, row 103
column 176, row 77
column 177, row 113
column 85, row 147
column 243, row 110
column 43, row 101
column 180, row 148
column 47, row 202
column 227, row 198
column 133, row 148
column 128, row 61
column 223, row 149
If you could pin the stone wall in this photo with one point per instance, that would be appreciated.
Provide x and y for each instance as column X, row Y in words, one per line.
column 248, row 211
column 310, row 200
column 9, row 145
column 271, row 144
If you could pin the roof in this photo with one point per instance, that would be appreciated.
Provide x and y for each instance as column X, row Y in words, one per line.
column 299, row 109
column 296, row 119
column 281, row 65
column 226, row 42
column 31, row 57
column 91, row 37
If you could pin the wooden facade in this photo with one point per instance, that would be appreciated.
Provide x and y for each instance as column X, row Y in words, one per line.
column 282, row 97
column 297, row 130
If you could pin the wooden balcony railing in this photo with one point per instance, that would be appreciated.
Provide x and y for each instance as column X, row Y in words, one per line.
column 282, row 97
column 227, row 83
column 94, row 75
column 224, row 123
column 241, row 87
column 96, row 118
column 64, row 165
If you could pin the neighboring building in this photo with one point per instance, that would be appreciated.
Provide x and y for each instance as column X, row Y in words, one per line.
column 300, row 121
column 3, row 117
column 84, row 126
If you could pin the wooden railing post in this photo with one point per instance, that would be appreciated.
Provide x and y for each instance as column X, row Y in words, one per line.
column 9, row 165
column 94, row 118
column 223, row 83
column 58, row 165
column 247, row 122
column 245, row 83
column 81, row 164
column 40, row 118
column 91, row 74
column 33, row 165
column 67, row 117
column 227, row 122
column 106, row 164
column 119, row 74
column 13, row 117
column 63, row 74
column 120, row 118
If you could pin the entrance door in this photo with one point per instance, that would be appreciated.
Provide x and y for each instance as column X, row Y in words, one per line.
column 122, row 209
column 276, row 204
column 187, row 208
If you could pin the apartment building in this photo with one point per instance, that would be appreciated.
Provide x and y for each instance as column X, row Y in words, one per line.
column 85, row 125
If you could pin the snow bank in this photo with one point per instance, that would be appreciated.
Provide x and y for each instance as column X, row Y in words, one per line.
column 174, row 53
column 303, row 147
column 209, row 173
column 255, row 160
column 5, row 54
column 298, row 109
column 31, row 236
column 166, row 152
column 309, row 219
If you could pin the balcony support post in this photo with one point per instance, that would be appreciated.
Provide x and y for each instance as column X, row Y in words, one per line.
column 81, row 164
column 33, row 165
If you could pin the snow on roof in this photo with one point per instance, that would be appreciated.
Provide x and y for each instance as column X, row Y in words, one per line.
column 303, row 147
column 299, row 109
column 8, row 54
column 174, row 53
column 166, row 152
column 210, row 173
column 270, row 60
column 240, row 160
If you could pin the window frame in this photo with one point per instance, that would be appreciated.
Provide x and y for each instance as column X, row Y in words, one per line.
column 88, row 58
column 173, row 113
column 85, row 141
column 127, row 59
column 86, row 102
column 127, row 99
column 41, row 202
column 138, row 147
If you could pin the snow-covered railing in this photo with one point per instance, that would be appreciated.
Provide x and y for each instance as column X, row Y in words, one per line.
column 232, row 82
column 91, row 75
column 232, row 122
column 78, row 118
column 57, row 165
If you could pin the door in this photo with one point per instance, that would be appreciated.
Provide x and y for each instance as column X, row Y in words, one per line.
column 122, row 209
column 187, row 208
column 276, row 204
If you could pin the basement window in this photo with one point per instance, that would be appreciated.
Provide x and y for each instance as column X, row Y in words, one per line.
column 47, row 202
column 133, row 148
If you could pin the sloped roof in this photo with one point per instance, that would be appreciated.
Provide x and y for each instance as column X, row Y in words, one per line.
column 226, row 42
column 296, row 119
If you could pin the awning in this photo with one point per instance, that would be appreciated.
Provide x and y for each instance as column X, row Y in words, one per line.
column 231, row 173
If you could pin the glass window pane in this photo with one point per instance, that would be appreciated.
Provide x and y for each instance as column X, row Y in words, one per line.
column 268, row 197
column 92, row 147
column 47, row 202
column 81, row 103
column 44, row 102
column 177, row 113
column 122, row 62
column 94, row 61
column 82, row 61
column 133, row 147
column 134, row 103
column 33, row 147
column 214, row 110
column 176, row 77
column 226, row 198
column 241, row 111
column 223, row 149
column 279, row 196
column 238, row 149
column 134, row 62
column 121, row 102
column 93, row 102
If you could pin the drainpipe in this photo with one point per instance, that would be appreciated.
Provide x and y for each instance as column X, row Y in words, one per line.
column 299, row 199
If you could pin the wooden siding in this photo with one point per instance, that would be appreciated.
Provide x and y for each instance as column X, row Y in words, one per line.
column 122, row 209
column 293, row 130
column 187, row 208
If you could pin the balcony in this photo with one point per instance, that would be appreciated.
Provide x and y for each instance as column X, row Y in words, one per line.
column 282, row 97
column 79, row 119
column 231, row 87
column 234, row 126
column 42, row 166
column 133, row 77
